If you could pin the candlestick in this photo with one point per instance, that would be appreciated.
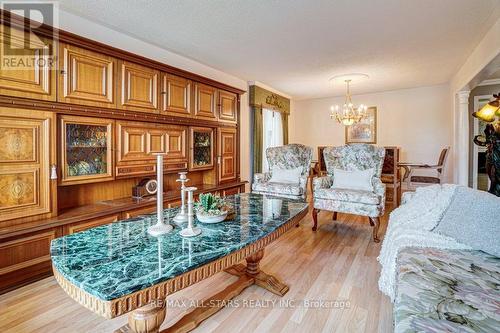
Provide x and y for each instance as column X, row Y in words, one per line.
column 190, row 231
column 160, row 228
column 181, row 215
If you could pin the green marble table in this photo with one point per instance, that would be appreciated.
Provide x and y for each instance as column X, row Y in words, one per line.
column 117, row 268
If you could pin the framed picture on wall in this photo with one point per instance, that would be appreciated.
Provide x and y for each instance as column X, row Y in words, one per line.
column 365, row 131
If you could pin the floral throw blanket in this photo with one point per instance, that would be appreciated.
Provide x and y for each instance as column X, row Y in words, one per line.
column 447, row 291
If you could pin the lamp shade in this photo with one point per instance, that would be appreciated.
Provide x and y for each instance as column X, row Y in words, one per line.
column 490, row 111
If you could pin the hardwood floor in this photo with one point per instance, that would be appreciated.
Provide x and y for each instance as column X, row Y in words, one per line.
column 337, row 262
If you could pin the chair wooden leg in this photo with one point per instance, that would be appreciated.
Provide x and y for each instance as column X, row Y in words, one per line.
column 315, row 219
column 376, row 223
column 334, row 217
column 371, row 222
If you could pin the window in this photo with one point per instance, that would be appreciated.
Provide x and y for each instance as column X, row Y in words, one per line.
column 273, row 133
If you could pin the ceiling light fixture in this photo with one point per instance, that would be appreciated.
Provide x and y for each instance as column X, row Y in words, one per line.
column 348, row 114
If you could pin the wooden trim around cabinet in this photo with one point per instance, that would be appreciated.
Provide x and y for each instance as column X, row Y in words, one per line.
column 81, row 226
column 65, row 179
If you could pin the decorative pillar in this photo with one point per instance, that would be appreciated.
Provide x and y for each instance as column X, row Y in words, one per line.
column 462, row 149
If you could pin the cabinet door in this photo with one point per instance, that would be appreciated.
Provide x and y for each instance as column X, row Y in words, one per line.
column 132, row 141
column 86, row 77
column 25, row 150
column 86, row 150
column 227, row 106
column 202, row 153
column 138, row 88
column 82, row 226
column 205, row 98
column 176, row 142
column 25, row 258
column 175, row 96
column 227, row 154
column 26, row 72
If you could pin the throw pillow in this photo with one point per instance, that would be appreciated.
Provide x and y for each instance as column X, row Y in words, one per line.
column 289, row 176
column 353, row 180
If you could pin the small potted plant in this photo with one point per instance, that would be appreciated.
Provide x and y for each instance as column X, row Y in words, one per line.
column 211, row 208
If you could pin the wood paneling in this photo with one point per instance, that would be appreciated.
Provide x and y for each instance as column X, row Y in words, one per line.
column 66, row 177
column 231, row 191
column 227, row 106
column 227, row 151
column 86, row 77
column 26, row 72
column 138, row 87
column 175, row 96
column 82, row 226
column 205, row 100
column 25, row 151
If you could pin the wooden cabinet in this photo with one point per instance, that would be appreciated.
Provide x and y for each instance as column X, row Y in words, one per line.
column 26, row 152
column 26, row 72
column 201, row 150
column 205, row 101
column 139, row 211
column 26, row 258
column 227, row 154
column 231, row 191
column 175, row 96
column 138, row 87
column 84, row 225
column 227, row 106
column 138, row 142
column 86, row 77
column 86, row 150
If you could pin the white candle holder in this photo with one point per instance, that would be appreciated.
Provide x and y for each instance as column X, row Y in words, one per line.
column 182, row 215
column 160, row 228
column 190, row 230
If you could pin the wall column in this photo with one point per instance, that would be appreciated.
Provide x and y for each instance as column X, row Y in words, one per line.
column 462, row 148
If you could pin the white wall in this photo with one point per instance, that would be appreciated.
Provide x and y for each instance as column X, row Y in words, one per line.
column 419, row 120
column 97, row 32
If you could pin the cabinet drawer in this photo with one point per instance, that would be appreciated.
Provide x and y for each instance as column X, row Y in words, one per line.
column 139, row 211
column 84, row 225
column 231, row 191
column 135, row 170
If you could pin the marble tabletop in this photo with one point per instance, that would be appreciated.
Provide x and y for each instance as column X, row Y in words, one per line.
column 120, row 258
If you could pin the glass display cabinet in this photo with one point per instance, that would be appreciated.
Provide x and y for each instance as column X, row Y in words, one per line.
column 86, row 150
column 202, row 148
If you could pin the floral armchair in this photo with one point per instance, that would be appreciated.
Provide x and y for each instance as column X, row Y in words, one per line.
column 359, row 202
column 290, row 156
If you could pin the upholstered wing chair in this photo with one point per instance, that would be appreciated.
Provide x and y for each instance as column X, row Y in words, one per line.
column 360, row 202
column 290, row 156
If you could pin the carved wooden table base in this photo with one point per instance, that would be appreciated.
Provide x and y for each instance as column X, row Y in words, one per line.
column 148, row 319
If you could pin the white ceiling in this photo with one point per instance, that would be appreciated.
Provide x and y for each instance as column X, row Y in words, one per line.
column 295, row 46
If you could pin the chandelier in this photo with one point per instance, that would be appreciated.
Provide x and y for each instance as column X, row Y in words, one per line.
column 349, row 114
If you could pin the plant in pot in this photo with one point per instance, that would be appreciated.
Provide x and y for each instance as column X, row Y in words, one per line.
column 211, row 208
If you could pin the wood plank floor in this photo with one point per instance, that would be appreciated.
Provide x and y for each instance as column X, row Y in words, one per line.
column 336, row 263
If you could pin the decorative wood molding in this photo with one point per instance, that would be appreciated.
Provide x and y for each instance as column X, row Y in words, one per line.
column 125, row 304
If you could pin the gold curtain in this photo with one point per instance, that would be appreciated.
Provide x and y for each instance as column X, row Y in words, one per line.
column 284, row 122
column 257, row 138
